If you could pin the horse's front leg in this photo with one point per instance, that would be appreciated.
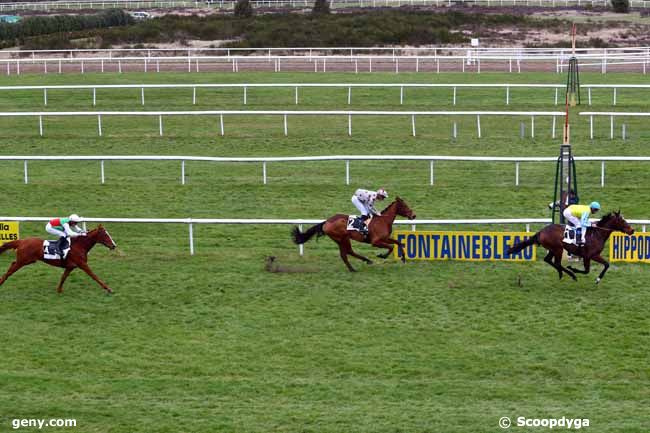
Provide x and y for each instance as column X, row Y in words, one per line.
column 389, row 243
column 84, row 267
column 603, row 262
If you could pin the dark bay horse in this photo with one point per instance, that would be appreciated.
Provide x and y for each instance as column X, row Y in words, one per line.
column 550, row 237
column 379, row 231
column 30, row 251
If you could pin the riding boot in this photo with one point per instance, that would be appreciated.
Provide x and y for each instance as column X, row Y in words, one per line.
column 583, row 238
column 61, row 244
column 579, row 238
column 363, row 228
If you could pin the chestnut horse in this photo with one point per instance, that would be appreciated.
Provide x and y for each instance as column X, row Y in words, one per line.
column 30, row 251
column 551, row 236
column 379, row 231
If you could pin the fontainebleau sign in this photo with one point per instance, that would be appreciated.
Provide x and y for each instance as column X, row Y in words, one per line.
column 472, row 246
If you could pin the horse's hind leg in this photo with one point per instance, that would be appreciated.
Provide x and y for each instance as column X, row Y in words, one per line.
column 344, row 250
column 549, row 259
column 587, row 263
column 12, row 269
column 558, row 262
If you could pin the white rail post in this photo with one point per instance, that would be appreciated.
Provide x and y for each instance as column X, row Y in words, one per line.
column 119, row 66
column 556, row 93
column 160, row 128
column 25, row 171
column 454, row 95
column 40, row 125
column 264, row 180
column 347, row 172
column 193, row 95
column 431, row 172
column 517, row 173
column 349, row 125
column 401, row 95
column 18, row 67
column 296, row 95
column 413, row 124
column 611, row 127
column 221, row 123
column 45, row 96
column 356, row 66
column 553, row 127
column 532, row 126
column 349, row 95
column 102, row 65
column 245, row 95
column 94, row 96
column 614, row 101
column 191, row 238
column 99, row 125
column 183, row 172
column 455, row 130
column 602, row 174
column 507, row 95
column 59, row 67
column 301, row 247
column 142, row 95
column 527, row 228
column 285, row 125
column 101, row 165
column 589, row 94
column 82, row 66
column 591, row 127
column 478, row 124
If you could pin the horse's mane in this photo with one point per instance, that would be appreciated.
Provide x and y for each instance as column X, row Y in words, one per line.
column 392, row 203
column 604, row 219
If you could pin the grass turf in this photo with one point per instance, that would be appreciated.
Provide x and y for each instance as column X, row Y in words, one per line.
column 215, row 343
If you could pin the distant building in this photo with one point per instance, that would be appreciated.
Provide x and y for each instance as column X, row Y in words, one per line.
column 9, row 19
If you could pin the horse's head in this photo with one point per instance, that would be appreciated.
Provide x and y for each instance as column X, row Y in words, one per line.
column 403, row 209
column 102, row 237
column 615, row 221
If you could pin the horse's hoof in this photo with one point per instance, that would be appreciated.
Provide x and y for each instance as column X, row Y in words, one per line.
column 598, row 280
column 574, row 278
column 369, row 262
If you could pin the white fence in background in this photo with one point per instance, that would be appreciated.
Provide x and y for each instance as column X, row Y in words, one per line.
column 285, row 114
column 301, row 223
column 349, row 86
column 611, row 116
column 192, row 61
column 334, row 4
column 347, row 158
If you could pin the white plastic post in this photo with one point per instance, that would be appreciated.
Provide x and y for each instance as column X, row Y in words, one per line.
column 527, row 228
column 347, row 172
column 191, row 239
column 611, row 127
column 45, row 96
column 301, row 247
column 556, row 93
column 413, row 124
column 349, row 125
column 94, row 97
column 591, row 127
column 221, row 123
column 264, row 173
column 183, row 172
column 532, row 126
column 614, row 101
column 285, row 125
column 245, row 95
column 517, row 173
column 507, row 95
column 102, row 171
column 99, row 125
column 478, row 125
column 589, row 94
column 431, row 172
column 142, row 95
column 401, row 95
column 296, row 95
column 193, row 95
column 25, row 171
column 454, row 95
column 160, row 128
column 602, row 174
column 40, row 125
column 349, row 95
column 455, row 130
column 553, row 127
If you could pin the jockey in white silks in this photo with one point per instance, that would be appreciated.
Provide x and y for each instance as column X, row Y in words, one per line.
column 64, row 228
column 364, row 201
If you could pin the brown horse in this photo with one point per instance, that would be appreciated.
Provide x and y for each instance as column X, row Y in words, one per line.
column 551, row 236
column 379, row 231
column 30, row 251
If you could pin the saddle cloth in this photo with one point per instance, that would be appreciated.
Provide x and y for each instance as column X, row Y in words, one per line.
column 569, row 237
column 50, row 253
column 352, row 223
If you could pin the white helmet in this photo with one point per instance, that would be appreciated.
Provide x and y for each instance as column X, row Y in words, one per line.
column 382, row 192
column 75, row 218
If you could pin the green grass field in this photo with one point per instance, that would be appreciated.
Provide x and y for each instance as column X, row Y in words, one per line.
column 213, row 342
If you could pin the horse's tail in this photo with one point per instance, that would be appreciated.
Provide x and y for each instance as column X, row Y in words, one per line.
column 300, row 237
column 525, row 244
column 8, row 246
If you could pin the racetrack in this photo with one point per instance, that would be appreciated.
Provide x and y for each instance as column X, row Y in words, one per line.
column 216, row 343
